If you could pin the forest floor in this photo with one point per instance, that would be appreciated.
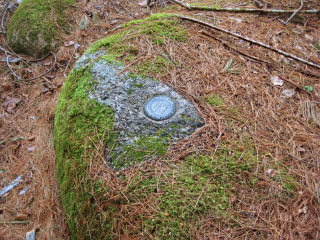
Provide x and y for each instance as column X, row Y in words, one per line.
column 286, row 140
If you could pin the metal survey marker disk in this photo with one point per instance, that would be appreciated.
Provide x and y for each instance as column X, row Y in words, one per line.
column 159, row 108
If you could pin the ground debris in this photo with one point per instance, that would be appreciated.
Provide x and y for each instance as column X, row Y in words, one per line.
column 11, row 103
column 311, row 111
column 9, row 187
column 31, row 235
column 287, row 93
column 276, row 81
column 10, row 59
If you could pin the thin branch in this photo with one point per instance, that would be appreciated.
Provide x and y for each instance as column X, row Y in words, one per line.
column 22, row 58
column 300, row 69
column 300, row 88
column 295, row 12
column 187, row 6
column 243, row 10
column 3, row 18
column 34, row 78
column 250, row 40
column 14, row 222
column 148, row 6
column 224, row 43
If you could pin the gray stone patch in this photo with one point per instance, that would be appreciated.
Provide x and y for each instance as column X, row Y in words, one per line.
column 127, row 94
column 88, row 58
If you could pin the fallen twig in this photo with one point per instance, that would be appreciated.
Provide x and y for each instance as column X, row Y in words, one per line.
column 34, row 78
column 299, row 87
column 295, row 12
column 235, row 5
column 243, row 10
column 148, row 6
column 250, row 40
column 224, row 43
column 14, row 222
column 3, row 18
column 301, row 160
column 22, row 58
column 181, row 4
column 308, row 72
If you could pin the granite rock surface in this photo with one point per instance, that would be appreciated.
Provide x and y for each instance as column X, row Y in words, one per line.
column 127, row 94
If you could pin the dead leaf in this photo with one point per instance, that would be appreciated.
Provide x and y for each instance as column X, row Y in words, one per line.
column 228, row 65
column 21, row 217
column 69, row 43
column 10, row 104
column 6, row 86
column 32, row 138
column 45, row 90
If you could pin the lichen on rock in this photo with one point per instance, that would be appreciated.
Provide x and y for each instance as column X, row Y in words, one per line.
column 33, row 28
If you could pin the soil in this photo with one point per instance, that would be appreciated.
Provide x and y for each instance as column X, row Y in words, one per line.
column 285, row 140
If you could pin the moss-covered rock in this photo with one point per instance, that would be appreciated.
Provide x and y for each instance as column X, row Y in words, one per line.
column 33, row 28
column 163, row 199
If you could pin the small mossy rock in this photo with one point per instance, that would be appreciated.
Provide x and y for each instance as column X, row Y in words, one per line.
column 33, row 28
column 103, row 138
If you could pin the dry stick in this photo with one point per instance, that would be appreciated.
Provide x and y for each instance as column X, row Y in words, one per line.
column 295, row 12
column 224, row 43
column 296, row 85
column 298, row 159
column 250, row 40
column 236, row 5
column 11, row 52
column 181, row 4
column 148, row 6
column 242, row 10
column 34, row 78
column 4, row 13
column 300, row 88
column 14, row 222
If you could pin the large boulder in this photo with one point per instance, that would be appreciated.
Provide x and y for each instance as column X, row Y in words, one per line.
column 33, row 28
column 115, row 123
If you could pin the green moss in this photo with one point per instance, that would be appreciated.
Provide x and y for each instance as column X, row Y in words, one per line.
column 318, row 45
column 142, row 149
column 230, row 112
column 201, row 7
column 156, row 28
column 288, row 182
column 200, row 185
column 157, row 66
column 153, row 17
column 33, row 28
column 215, row 100
column 80, row 125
